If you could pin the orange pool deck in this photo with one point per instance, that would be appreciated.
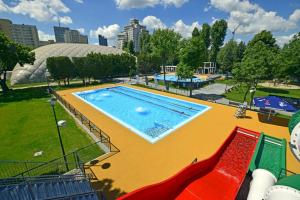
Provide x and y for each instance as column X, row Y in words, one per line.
column 141, row 163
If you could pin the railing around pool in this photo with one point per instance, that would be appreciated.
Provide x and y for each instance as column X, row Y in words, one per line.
column 101, row 135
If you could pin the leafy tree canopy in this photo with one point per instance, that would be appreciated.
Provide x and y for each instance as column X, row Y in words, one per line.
column 205, row 35
column 217, row 34
column 165, row 43
column 231, row 53
column 12, row 53
column 195, row 32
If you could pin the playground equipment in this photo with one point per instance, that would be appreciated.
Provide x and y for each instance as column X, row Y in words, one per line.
column 218, row 177
column 221, row 176
column 270, row 154
column 261, row 182
column 287, row 188
column 294, row 128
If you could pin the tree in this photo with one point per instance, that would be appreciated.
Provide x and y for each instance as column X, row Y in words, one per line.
column 191, row 57
column 61, row 68
column 218, row 33
column 195, row 32
column 205, row 36
column 131, row 47
column 12, row 53
column 255, row 66
column 81, row 68
column 147, row 63
column 145, row 43
column 288, row 61
column 165, row 43
column 125, row 46
column 266, row 37
column 228, row 56
column 241, row 50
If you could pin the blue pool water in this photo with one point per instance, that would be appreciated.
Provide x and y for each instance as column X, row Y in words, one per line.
column 149, row 115
column 174, row 78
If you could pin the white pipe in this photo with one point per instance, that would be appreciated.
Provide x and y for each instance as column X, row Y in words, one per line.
column 261, row 182
column 280, row 192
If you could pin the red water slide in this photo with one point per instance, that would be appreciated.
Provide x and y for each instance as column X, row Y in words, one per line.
column 218, row 178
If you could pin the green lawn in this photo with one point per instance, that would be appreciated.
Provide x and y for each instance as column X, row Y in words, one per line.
column 27, row 126
column 237, row 94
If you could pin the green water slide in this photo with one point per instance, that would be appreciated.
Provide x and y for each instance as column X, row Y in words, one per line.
column 270, row 154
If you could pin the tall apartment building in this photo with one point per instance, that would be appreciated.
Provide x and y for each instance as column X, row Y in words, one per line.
column 66, row 35
column 83, row 39
column 71, row 36
column 20, row 33
column 132, row 32
column 59, row 33
column 102, row 40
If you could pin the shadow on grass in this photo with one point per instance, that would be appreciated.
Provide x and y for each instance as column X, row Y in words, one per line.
column 24, row 94
column 278, row 121
column 105, row 187
column 273, row 90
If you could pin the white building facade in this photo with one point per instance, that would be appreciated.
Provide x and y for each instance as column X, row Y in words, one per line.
column 132, row 32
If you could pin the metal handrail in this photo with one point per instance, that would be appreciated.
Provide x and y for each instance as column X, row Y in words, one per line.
column 31, row 181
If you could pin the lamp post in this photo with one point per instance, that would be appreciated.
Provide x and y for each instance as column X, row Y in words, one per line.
column 252, row 91
column 61, row 123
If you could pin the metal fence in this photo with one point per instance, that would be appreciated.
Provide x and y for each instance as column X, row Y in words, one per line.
column 162, row 88
column 74, row 161
column 101, row 135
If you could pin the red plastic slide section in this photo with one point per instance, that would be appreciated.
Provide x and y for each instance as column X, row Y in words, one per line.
column 218, row 177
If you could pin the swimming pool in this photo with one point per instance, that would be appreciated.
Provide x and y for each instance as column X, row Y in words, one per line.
column 174, row 78
column 149, row 115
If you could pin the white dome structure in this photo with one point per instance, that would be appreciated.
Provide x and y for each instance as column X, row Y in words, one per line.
column 37, row 72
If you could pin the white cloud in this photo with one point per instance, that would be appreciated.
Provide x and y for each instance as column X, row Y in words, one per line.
column 207, row 8
column 40, row 10
column 283, row 39
column 64, row 20
column 184, row 29
column 129, row 4
column 110, row 32
column 3, row 7
column 79, row 1
column 295, row 16
column 152, row 22
column 81, row 30
column 252, row 18
column 44, row 36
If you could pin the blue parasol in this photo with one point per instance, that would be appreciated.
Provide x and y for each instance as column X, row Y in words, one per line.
column 273, row 102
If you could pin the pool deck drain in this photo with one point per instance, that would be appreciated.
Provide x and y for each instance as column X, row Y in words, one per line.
column 141, row 163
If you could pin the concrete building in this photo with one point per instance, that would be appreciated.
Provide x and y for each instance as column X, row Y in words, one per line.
column 59, row 33
column 83, row 39
column 102, row 40
column 66, row 35
column 132, row 32
column 121, row 39
column 20, row 33
column 6, row 27
column 71, row 36
column 26, row 35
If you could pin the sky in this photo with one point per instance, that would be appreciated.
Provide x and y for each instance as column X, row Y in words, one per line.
column 108, row 17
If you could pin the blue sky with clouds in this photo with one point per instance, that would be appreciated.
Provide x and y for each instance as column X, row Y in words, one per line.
column 108, row 17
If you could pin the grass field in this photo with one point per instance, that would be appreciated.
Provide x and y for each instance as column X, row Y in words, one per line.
column 238, row 93
column 27, row 126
